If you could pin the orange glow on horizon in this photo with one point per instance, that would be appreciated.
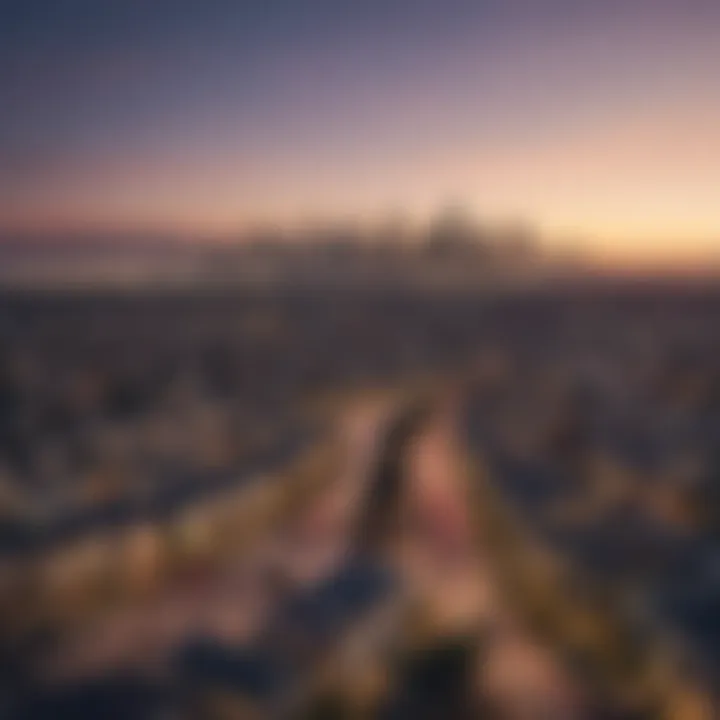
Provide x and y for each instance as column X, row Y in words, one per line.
column 634, row 188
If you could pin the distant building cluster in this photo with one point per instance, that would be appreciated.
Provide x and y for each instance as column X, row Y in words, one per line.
column 452, row 249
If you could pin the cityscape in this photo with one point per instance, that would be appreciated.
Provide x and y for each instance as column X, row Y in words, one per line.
column 359, row 360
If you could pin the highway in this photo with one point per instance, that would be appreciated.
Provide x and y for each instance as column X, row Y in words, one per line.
column 425, row 526
column 230, row 602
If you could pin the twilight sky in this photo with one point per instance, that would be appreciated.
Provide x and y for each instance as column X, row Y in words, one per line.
column 593, row 119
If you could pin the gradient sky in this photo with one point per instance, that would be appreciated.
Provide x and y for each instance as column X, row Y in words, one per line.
column 599, row 120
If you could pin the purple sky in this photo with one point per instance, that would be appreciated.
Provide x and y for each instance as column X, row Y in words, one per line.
column 596, row 119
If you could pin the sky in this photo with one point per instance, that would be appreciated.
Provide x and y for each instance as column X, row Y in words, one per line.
column 597, row 121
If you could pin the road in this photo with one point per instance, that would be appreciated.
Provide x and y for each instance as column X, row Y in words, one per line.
column 515, row 675
column 436, row 549
column 231, row 603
